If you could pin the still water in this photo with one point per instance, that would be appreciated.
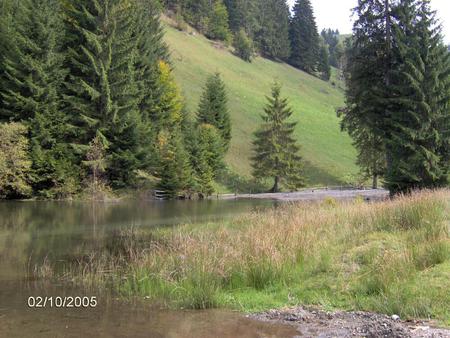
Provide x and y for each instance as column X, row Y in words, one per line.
column 31, row 232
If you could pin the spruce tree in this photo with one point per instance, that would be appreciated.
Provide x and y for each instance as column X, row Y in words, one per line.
column 304, row 37
column 243, row 14
column 175, row 171
column 32, row 93
column 213, row 108
column 102, row 91
column 331, row 38
column 276, row 150
column 207, row 158
column 397, row 92
column 273, row 35
column 419, row 136
column 366, row 116
column 324, row 67
column 218, row 23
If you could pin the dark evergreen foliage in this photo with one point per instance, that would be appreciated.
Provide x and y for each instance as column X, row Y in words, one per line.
column 336, row 50
column 175, row 172
column 276, row 150
column 324, row 67
column 420, row 112
column 398, row 94
column 218, row 28
column 304, row 37
column 32, row 93
column 99, row 70
column 273, row 36
column 213, row 108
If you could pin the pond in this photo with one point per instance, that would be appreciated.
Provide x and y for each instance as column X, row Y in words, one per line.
column 31, row 232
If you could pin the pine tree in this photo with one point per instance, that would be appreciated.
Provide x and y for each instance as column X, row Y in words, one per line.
column 33, row 80
column 208, row 158
column 9, row 17
column 366, row 114
column 304, row 37
column 213, row 108
column 218, row 23
column 276, row 150
column 331, row 38
column 273, row 35
column 420, row 102
column 324, row 67
column 175, row 170
column 197, row 13
column 371, row 156
column 398, row 93
column 243, row 14
column 102, row 91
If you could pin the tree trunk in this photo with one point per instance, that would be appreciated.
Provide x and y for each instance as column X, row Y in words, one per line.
column 375, row 181
column 275, row 185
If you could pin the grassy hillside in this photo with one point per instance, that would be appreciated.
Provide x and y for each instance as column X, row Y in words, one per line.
column 328, row 152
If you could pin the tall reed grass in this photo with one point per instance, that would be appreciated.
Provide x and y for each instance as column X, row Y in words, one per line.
column 353, row 255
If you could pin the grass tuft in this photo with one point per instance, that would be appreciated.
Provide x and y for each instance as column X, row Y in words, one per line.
column 389, row 257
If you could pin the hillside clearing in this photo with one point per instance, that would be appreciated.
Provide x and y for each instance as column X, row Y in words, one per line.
column 329, row 155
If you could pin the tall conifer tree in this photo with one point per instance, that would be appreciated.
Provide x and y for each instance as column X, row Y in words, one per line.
column 420, row 112
column 213, row 108
column 304, row 37
column 32, row 85
column 276, row 150
column 273, row 35
column 103, row 94
column 366, row 115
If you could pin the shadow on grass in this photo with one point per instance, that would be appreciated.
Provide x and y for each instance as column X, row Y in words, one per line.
column 241, row 184
column 314, row 177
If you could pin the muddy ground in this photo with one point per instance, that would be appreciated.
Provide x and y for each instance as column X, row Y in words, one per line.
column 312, row 322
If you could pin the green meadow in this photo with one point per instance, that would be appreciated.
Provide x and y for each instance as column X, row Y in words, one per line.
column 328, row 153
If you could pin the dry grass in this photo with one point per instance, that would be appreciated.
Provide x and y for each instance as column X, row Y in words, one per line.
column 352, row 255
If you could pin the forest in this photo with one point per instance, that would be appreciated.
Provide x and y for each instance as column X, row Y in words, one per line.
column 89, row 103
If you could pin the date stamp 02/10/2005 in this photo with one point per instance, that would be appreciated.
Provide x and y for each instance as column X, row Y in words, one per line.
column 62, row 302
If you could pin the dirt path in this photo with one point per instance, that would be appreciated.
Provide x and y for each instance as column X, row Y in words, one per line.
column 314, row 195
column 311, row 322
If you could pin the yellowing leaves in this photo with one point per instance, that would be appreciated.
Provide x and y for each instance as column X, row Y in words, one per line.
column 171, row 101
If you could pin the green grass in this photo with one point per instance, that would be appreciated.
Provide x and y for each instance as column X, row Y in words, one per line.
column 390, row 257
column 328, row 153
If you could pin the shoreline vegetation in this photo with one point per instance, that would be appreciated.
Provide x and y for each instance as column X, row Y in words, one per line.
column 391, row 257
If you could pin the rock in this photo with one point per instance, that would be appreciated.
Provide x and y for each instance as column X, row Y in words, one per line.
column 395, row 317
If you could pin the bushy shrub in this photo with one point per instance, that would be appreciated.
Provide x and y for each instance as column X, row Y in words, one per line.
column 243, row 46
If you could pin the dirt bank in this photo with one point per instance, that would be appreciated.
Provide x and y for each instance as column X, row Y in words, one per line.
column 312, row 322
column 314, row 195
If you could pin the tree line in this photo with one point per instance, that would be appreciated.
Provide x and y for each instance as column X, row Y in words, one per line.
column 264, row 26
column 88, row 103
column 398, row 94
column 88, row 99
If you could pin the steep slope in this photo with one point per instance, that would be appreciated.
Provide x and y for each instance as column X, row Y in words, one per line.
column 328, row 153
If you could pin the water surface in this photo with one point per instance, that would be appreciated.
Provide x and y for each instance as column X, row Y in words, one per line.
column 31, row 232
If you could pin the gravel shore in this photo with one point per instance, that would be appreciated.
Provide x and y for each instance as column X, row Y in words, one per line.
column 312, row 322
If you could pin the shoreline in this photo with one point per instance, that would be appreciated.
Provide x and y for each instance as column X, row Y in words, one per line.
column 312, row 195
column 315, row 322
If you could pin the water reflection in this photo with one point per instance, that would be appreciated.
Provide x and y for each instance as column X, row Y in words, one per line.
column 33, row 231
